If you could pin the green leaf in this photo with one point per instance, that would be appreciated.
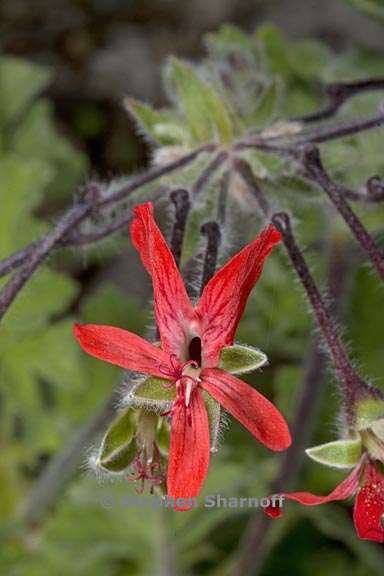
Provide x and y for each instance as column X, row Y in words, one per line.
column 372, row 8
column 154, row 389
column 160, row 126
column 335, row 522
column 368, row 411
column 276, row 49
column 267, row 105
column 21, row 81
column 238, row 359
column 36, row 137
column 308, row 59
column 338, row 454
column 110, row 305
column 228, row 38
column 118, row 447
column 21, row 188
column 298, row 185
column 207, row 116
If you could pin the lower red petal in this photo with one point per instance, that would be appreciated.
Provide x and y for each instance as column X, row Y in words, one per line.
column 369, row 506
column 251, row 408
column 189, row 451
column 344, row 490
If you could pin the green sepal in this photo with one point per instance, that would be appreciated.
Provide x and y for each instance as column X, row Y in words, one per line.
column 207, row 115
column 338, row 454
column 368, row 411
column 163, row 436
column 118, row 447
column 267, row 105
column 238, row 359
column 153, row 389
column 214, row 414
column 378, row 428
column 159, row 125
column 21, row 81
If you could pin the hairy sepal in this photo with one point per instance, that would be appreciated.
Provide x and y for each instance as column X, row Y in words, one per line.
column 339, row 454
column 369, row 411
column 118, row 446
column 238, row 359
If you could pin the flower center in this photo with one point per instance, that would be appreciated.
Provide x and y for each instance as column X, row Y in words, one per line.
column 194, row 350
column 186, row 380
column 189, row 380
column 147, row 468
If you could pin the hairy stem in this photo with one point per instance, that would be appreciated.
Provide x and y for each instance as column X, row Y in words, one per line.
column 338, row 93
column 206, row 175
column 211, row 231
column 352, row 383
column 373, row 193
column 180, row 200
column 314, row 136
column 78, row 212
column 74, row 236
column 225, row 182
column 255, row 543
column 315, row 170
column 245, row 171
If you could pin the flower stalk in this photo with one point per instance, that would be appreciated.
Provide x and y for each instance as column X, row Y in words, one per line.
column 316, row 172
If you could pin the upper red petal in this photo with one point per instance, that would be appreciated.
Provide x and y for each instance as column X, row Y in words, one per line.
column 369, row 506
column 173, row 309
column 248, row 406
column 225, row 296
column 189, row 450
column 344, row 490
column 122, row 348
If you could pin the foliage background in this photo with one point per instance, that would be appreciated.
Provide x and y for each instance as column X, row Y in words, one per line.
column 64, row 68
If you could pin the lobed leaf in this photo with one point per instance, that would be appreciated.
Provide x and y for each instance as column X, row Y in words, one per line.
column 160, row 126
column 206, row 114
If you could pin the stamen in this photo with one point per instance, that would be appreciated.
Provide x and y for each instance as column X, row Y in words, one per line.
column 184, row 383
column 147, row 469
column 188, row 390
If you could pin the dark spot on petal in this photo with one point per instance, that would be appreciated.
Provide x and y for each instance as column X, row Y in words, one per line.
column 195, row 350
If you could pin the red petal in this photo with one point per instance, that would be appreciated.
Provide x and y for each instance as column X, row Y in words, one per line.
column 343, row 491
column 225, row 296
column 173, row 309
column 369, row 506
column 122, row 348
column 248, row 406
column 189, row 450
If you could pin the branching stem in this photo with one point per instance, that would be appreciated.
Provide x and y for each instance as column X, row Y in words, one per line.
column 212, row 232
column 338, row 93
column 315, row 170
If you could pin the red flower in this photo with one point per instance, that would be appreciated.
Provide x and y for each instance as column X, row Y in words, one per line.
column 368, row 512
column 191, row 341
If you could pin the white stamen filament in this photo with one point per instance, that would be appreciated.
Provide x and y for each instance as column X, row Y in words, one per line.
column 188, row 389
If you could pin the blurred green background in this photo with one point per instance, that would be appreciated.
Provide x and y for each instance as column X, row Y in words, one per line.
column 64, row 68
